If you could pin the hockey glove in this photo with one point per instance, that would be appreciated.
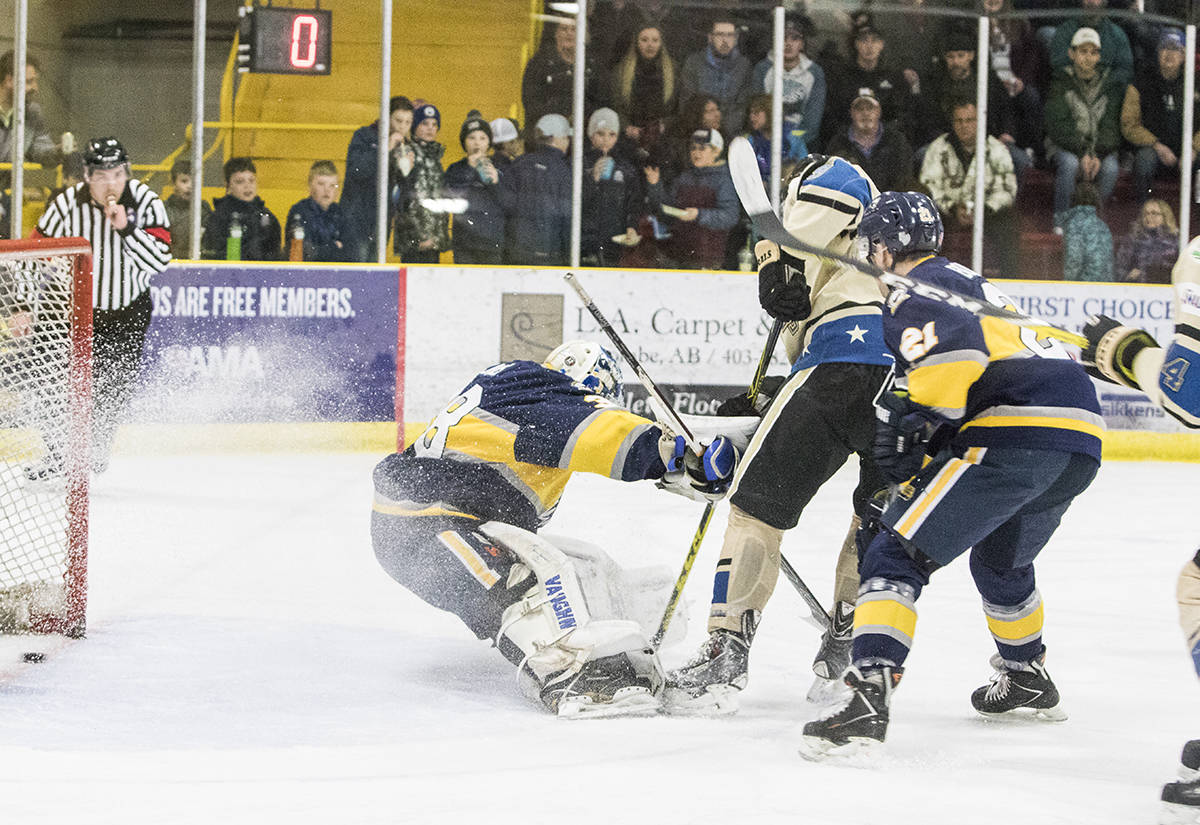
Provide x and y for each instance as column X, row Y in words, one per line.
column 782, row 290
column 903, row 430
column 1111, row 349
column 700, row 477
column 741, row 405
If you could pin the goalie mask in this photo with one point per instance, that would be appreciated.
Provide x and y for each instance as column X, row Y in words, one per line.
column 591, row 365
column 826, row 198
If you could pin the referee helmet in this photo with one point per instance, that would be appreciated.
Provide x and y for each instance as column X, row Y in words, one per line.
column 104, row 153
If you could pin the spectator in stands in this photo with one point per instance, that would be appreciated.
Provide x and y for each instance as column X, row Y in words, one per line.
column 1019, row 59
column 1152, row 116
column 1115, row 53
column 319, row 217
column 1083, row 123
column 612, row 194
column 73, row 174
column 868, row 70
column 949, row 171
column 179, row 208
column 803, row 87
column 953, row 79
column 643, row 89
column 507, row 143
column 535, row 192
column 612, row 27
column 758, row 121
column 700, row 112
column 422, row 234
column 702, row 201
column 880, row 149
column 39, row 146
column 362, row 166
column 1087, row 242
column 1147, row 254
column 548, row 85
column 913, row 36
column 241, row 207
column 478, row 236
column 721, row 72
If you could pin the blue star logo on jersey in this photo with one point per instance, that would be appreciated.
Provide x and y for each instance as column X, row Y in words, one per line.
column 857, row 334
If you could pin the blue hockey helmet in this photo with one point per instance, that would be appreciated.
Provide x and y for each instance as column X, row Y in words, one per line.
column 904, row 222
column 591, row 365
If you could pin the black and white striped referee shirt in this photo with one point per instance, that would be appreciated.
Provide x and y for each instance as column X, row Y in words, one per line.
column 122, row 262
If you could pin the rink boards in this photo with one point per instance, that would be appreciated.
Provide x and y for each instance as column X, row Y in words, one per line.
column 292, row 356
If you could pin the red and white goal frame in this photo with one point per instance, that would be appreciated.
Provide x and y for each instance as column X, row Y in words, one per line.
column 45, row 421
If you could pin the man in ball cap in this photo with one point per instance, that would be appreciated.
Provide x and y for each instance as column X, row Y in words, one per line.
column 507, row 144
column 703, row 202
column 127, row 227
column 1083, row 122
column 536, row 195
column 1152, row 117
column 1113, row 44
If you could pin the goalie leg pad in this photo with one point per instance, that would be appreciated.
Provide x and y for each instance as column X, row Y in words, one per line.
column 746, row 572
column 559, row 646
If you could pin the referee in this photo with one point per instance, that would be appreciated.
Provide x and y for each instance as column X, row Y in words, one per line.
column 127, row 227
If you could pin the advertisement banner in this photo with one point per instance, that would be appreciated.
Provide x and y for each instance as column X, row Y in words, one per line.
column 282, row 342
column 240, row 343
column 698, row 334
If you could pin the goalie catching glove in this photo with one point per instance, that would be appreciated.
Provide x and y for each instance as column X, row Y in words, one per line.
column 700, row 477
column 1111, row 349
column 903, row 432
column 782, row 290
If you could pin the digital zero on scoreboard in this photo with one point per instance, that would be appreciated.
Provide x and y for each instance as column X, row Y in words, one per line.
column 286, row 40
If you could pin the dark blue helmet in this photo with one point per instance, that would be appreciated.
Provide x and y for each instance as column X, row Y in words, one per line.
column 904, row 222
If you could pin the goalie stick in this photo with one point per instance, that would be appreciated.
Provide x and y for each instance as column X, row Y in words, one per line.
column 819, row 616
column 743, row 168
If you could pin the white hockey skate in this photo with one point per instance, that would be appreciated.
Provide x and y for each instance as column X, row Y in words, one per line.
column 603, row 688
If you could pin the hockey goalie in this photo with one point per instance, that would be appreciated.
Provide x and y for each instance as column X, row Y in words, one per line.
column 456, row 516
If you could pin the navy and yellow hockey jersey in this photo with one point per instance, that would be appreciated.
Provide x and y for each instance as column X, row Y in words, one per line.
column 1001, row 384
column 505, row 447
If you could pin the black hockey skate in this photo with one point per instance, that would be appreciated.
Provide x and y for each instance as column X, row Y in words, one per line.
column 861, row 723
column 708, row 684
column 609, row 686
column 1019, row 687
column 1181, row 800
column 833, row 657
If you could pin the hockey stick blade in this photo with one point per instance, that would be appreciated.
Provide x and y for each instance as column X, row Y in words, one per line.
column 743, row 168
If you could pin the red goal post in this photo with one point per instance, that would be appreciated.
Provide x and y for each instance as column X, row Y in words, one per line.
column 45, row 433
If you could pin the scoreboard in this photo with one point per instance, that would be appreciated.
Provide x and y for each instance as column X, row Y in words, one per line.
column 275, row 40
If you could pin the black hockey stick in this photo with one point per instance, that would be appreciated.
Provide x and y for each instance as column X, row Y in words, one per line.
column 681, row 428
column 743, row 168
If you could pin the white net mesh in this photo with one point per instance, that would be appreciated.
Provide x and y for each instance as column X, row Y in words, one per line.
column 39, row 471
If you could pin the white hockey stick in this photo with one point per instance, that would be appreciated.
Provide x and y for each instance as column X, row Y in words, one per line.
column 743, row 167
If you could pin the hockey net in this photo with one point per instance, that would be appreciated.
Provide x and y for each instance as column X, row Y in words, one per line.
column 45, row 440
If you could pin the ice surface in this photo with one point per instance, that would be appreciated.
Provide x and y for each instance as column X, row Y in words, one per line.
column 248, row 661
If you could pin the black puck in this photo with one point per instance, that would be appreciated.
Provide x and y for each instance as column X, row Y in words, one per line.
column 34, row 657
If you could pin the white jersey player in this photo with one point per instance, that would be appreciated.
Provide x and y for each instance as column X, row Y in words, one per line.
column 1171, row 377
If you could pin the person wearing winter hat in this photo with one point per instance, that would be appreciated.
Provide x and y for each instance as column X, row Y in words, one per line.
column 478, row 232
column 507, row 143
column 421, row 234
column 612, row 194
